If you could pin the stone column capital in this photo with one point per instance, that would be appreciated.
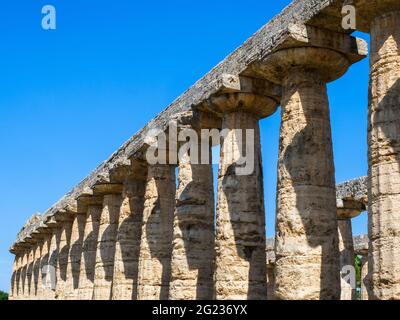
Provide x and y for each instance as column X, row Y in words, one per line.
column 368, row 10
column 312, row 50
column 243, row 94
column 349, row 209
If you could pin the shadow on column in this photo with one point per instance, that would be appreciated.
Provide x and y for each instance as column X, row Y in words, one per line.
column 257, row 259
column 130, row 248
column 195, row 240
column 160, row 240
column 388, row 108
column 305, row 147
column 75, row 254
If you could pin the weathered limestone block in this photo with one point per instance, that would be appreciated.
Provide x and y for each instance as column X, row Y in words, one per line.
column 307, row 252
column 193, row 239
column 89, row 248
column 74, row 257
column 382, row 19
column 157, row 231
column 104, row 269
column 126, row 265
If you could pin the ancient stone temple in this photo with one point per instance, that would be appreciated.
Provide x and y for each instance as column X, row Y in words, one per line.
column 138, row 229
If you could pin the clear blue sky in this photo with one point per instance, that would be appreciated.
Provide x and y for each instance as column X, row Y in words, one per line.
column 72, row 96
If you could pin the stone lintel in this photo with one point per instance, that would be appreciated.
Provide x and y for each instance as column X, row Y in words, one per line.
column 102, row 189
column 367, row 10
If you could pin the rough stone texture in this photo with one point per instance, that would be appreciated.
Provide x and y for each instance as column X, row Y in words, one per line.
column 74, row 257
column 365, row 281
column 104, row 268
column 29, row 274
column 307, row 260
column 384, row 156
column 89, row 249
column 52, row 261
column 193, row 241
column 240, row 230
column 126, row 264
column 44, row 261
column 157, row 229
column 63, row 244
column 347, row 255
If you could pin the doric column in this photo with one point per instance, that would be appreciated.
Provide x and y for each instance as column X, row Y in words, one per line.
column 74, row 256
column 347, row 210
column 157, row 230
column 382, row 19
column 193, row 238
column 365, row 282
column 93, row 209
column 307, row 253
column 240, row 227
column 105, row 253
column 34, row 287
column 53, row 263
column 16, row 276
column 44, row 286
column 22, row 278
column 12, row 293
column 29, row 273
column 63, row 245
column 126, row 263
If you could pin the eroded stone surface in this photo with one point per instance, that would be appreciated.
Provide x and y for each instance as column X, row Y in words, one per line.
column 384, row 156
column 106, row 242
column 193, row 241
column 240, row 229
column 89, row 249
column 126, row 266
column 157, row 231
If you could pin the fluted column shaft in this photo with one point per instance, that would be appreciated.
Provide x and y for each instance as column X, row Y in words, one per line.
column 365, row 282
column 193, row 239
column 63, row 244
column 126, row 265
column 74, row 257
column 347, row 256
column 384, row 156
column 157, row 230
column 307, row 256
column 104, row 270
column 240, row 230
column 89, row 248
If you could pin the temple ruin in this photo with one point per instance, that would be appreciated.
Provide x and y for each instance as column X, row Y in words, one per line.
column 130, row 232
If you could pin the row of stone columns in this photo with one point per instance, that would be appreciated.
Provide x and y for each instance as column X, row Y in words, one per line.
column 164, row 238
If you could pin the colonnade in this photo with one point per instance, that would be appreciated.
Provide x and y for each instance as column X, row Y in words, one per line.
column 148, row 231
